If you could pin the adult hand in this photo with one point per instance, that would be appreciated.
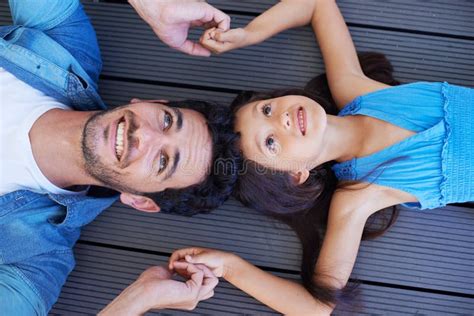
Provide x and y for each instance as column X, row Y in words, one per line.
column 171, row 20
column 219, row 262
column 155, row 289
column 218, row 41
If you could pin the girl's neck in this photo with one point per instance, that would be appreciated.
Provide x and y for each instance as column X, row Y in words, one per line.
column 344, row 139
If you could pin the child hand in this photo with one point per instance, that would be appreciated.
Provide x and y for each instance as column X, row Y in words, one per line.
column 219, row 262
column 218, row 41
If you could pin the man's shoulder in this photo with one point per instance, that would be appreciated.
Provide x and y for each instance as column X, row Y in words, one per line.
column 79, row 209
column 71, row 74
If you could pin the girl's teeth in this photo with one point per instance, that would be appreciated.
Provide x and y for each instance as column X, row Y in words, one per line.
column 301, row 121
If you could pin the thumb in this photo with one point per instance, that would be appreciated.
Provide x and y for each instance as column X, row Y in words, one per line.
column 229, row 36
column 200, row 258
column 195, row 49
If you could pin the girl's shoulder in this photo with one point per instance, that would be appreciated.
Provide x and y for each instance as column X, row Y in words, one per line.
column 364, row 198
column 414, row 106
column 405, row 94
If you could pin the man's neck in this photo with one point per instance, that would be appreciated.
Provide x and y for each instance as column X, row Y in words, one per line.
column 55, row 140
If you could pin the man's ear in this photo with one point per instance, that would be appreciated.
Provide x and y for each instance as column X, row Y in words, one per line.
column 137, row 100
column 300, row 177
column 139, row 202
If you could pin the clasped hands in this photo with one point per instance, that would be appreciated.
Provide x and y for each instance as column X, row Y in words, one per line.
column 156, row 289
column 171, row 21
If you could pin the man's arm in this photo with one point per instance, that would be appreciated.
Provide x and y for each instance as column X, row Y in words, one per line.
column 65, row 22
column 31, row 286
column 155, row 289
column 16, row 297
column 41, row 14
column 171, row 21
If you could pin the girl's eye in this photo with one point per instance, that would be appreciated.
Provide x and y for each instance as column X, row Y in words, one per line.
column 167, row 120
column 267, row 110
column 163, row 163
column 270, row 143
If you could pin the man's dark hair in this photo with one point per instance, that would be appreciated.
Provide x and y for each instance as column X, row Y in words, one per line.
column 222, row 174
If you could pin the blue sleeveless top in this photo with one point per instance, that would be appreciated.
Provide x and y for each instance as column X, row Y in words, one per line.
column 436, row 164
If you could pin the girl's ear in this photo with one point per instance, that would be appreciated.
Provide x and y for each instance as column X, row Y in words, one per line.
column 300, row 177
column 139, row 202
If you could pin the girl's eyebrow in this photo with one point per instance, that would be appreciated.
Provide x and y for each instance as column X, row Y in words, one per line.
column 255, row 108
column 261, row 144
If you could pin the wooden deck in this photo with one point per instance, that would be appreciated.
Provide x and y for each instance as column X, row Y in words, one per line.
column 424, row 265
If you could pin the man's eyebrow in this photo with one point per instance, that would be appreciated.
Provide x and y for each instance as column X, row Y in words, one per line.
column 179, row 118
column 173, row 168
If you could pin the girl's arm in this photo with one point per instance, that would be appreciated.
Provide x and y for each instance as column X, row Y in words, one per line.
column 340, row 246
column 348, row 214
column 345, row 76
column 282, row 16
column 337, row 257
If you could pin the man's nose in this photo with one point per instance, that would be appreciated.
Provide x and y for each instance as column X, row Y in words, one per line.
column 148, row 135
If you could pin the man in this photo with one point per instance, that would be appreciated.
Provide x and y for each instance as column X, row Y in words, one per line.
column 152, row 153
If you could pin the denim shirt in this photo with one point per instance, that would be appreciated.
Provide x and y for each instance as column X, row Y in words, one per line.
column 52, row 47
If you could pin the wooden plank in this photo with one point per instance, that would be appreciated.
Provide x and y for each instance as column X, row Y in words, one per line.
column 429, row 250
column 289, row 59
column 101, row 273
column 452, row 18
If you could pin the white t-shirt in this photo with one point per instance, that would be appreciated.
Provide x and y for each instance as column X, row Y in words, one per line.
column 20, row 106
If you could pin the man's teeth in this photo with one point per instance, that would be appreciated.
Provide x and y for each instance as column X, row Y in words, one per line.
column 119, row 140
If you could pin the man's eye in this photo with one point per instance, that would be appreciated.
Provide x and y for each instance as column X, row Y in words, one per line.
column 163, row 163
column 167, row 120
column 267, row 110
column 270, row 143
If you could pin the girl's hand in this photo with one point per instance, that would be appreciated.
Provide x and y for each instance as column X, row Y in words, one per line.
column 218, row 41
column 219, row 262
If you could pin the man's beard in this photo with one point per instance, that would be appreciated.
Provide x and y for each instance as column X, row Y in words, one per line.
column 93, row 164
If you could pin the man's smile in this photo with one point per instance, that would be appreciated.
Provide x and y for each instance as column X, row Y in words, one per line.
column 119, row 139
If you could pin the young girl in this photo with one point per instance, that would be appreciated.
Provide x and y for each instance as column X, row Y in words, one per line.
column 409, row 144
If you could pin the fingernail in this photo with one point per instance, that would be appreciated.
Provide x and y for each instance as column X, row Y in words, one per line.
column 189, row 258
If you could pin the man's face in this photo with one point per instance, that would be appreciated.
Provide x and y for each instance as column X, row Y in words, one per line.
column 147, row 147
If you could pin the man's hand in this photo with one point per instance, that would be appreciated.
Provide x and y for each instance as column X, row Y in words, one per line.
column 155, row 289
column 171, row 20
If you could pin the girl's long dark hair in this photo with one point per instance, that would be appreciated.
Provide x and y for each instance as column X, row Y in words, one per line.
column 305, row 207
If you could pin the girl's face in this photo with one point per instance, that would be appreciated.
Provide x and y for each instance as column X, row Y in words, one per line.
column 284, row 133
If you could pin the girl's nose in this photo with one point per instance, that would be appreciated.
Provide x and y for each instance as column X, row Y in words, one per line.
column 285, row 120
